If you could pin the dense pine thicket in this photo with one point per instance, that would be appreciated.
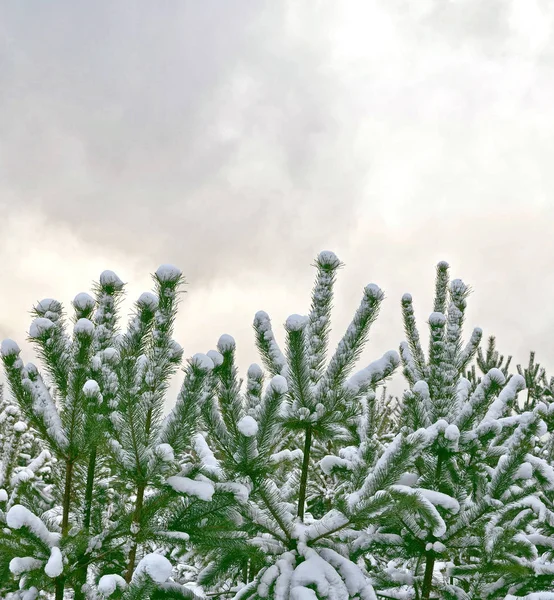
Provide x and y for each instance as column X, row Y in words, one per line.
column 304, row 481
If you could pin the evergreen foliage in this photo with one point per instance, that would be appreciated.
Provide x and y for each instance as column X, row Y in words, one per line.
column 304, row 481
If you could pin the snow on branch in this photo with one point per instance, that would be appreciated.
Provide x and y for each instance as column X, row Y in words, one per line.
column 374, row 372
column 19, row 516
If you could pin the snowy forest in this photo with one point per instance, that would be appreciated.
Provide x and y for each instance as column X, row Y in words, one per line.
column 301, row 479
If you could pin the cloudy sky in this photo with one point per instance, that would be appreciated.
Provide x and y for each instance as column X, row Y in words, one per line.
column 238, row 139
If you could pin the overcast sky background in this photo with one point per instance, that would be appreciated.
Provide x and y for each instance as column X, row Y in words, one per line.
column 238, row 139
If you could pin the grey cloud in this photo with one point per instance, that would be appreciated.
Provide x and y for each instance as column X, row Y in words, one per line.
column 130, row 124
column 237, row 139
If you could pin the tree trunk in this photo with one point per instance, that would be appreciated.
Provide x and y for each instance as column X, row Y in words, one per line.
column 60, row 581
column 90, row 485
column 136, row 520
column 428, row 576
column 67, row 496
column 59, row 588
column 304, row 476
column 83, row 569
column 430, row 557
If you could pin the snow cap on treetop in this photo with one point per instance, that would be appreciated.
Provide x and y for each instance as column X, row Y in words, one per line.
column 296, row 322
column 168, row 274
column 202, row 361
column 91, row 388
column 39, row 327
column 443, row 265
column 261, row 315
column 9, row 348
column 175, row 349
column 255, row 371
column 437, row 319
column 457, row 286
column 262, row 321
column 148, row 300
column 111, row 354
column 374, row 291
column 83, row 301
column 421, row 388
column 406, row 298
column 109, row 278
column 326, row 258
column 31, row 368
column 217, row 357
column 225, row 343
column 48, row 305
column 83, row 326
column 279, row 384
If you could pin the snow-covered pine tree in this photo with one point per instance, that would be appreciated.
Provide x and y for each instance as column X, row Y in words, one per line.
column 265, row 440
column 474, row 479
column 25, row 470
column 539, row 462
column 24, row 466
column 65, row 408
column 120, row 470
column 310, row 483
column 175, row 492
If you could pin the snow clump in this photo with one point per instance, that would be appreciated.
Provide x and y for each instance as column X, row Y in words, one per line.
column 168, row 274
column 248, row 426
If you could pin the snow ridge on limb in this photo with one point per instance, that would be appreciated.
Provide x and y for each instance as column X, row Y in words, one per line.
column 374, row 373
column 473, row 408
column 413, row 356
column 317, row 334
column 19, row 516
column 274, row 360
column 470, row 349
column 508, row 395
column 254, row 389
column 352, row 342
